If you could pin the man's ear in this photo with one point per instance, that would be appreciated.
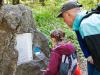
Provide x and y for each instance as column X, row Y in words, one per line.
column 69, row 14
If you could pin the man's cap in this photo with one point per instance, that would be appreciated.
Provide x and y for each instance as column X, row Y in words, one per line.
column 68, row 6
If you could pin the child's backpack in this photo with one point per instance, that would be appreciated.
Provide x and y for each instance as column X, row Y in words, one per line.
column 68, row 64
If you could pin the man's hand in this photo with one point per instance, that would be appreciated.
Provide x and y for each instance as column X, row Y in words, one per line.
column 90, row 59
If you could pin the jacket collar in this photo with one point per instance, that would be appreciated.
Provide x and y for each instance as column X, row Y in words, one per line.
column 76, row 23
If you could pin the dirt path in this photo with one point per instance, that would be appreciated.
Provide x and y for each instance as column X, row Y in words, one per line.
column 83, row 65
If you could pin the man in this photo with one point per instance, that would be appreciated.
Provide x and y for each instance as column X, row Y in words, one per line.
column 87, row 31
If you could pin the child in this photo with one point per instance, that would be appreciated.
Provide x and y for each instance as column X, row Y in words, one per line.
column 59, row 48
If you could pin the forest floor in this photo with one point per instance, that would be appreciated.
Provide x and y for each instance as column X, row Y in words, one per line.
column 83, row 65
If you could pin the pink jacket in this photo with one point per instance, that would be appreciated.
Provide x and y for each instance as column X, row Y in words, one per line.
column 55, row 58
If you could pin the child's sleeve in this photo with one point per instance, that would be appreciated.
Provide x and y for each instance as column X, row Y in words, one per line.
column 53, row 66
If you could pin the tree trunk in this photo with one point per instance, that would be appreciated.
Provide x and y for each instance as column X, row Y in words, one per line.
column 16, row 2
column 1, row 3
column 98, row 1
column 42, row 2
column 33, row 1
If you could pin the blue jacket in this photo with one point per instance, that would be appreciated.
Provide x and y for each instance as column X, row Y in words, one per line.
column 88, row 33
column 81, row 41
column 83, row 45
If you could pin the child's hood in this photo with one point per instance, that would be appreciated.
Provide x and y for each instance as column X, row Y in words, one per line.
column 67, row 48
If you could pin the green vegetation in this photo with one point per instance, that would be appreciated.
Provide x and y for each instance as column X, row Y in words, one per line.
column 46, row 18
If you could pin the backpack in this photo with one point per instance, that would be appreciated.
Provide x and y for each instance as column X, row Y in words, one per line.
column 92, row 11
column 68, row 64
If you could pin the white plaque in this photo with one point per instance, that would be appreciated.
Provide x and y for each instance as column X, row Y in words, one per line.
column 24, row 47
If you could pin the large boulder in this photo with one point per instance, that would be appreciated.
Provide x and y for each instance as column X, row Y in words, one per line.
column 8, row 53
column 30, row 68
column 17, row 19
